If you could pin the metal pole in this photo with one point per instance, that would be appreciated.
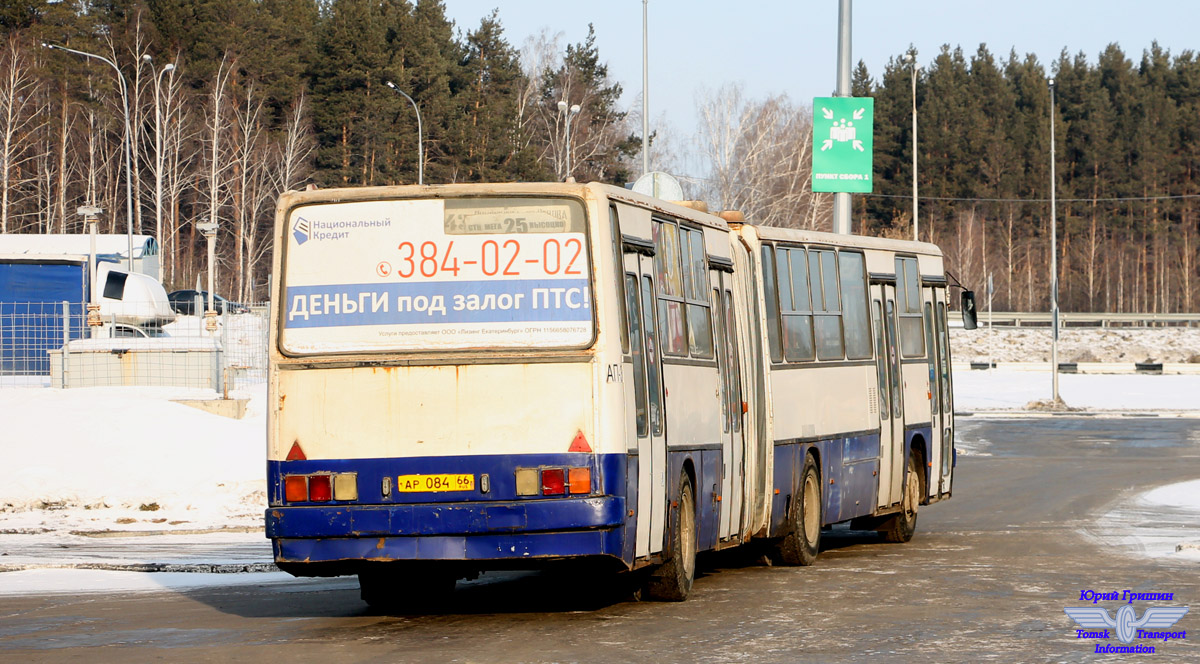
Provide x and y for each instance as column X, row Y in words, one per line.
column 420, row 144
column 916, row 229
column 1053, row 255
column 645, row 90
column 158, row 156
column 128, row 134
column 841, row 200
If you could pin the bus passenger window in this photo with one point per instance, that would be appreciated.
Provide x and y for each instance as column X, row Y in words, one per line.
column 852, row 269
column 908, row 306
column 639, row 358
column 797, row 318
column 822, row 271
column 699, row 320
column 672, row 327
column 771, row 295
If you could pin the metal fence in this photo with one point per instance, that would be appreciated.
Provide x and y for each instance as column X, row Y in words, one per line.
column 51, row 344
column 1082, row 319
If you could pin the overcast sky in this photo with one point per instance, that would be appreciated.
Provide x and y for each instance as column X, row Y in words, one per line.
column 781, row 46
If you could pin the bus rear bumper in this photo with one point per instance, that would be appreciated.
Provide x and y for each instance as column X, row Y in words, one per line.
column 530, row 529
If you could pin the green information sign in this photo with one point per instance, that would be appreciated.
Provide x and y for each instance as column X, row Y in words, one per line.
column 842, row 144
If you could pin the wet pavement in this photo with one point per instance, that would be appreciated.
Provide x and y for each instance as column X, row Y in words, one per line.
column 986, row 578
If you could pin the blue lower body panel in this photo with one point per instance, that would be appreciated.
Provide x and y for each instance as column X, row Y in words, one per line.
column 488, row 523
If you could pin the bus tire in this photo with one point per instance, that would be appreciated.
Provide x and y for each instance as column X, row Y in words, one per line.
column 900, row 528
column 803, row 541
column 672, row 581
column 385, row 589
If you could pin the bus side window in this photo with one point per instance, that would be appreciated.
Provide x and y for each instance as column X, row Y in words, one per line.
column 639, row 357
column 699, row 319
column 615, row 229
column 671, row 324
column 852, row 269
column 797, row 309
column 823, row 280
column 771, row 295
column 944, row 350
column 908, row 306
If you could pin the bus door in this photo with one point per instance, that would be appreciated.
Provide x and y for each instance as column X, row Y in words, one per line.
column 944, row 389
column 648, row 421
column 891, row 399
column 732, row 441
column 935, row 395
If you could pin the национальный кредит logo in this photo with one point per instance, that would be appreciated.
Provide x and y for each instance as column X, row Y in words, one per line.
column 1097, row 623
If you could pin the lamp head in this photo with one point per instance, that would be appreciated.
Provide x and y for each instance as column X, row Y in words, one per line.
column 168, row 67
column 390, row 84
column 147, row 58
column 562, row 107
column 575, row 109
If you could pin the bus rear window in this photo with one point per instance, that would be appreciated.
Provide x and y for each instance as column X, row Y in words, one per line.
column 434, row 275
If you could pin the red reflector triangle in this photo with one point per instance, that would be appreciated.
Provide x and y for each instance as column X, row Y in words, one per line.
column 296, row 454
column 580, row 443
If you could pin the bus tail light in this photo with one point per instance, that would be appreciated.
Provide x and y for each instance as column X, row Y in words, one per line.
column 554, row 482
column 320, row 489
column 295, row 488
column 580, row 480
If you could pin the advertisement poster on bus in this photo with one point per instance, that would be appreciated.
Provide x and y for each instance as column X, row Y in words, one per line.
column 436, row 275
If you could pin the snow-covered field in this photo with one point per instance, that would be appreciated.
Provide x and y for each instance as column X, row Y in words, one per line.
column 1077, row 344
column 1160, row 523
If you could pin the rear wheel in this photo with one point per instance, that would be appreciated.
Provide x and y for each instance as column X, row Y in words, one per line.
column 672, row 581
column 803, row 541
column 384, row 588
column 900, row 528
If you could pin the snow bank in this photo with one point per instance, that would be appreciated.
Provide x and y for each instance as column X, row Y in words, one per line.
column 1076, row 344
column 127, row 458
column 1161, row 523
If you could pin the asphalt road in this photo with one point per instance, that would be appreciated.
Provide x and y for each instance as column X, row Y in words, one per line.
column 985, row 578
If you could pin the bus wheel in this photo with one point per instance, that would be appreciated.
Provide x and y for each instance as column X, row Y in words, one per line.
column 672, row 581
column 900, row 528
column 416, row 591
column 803, row 541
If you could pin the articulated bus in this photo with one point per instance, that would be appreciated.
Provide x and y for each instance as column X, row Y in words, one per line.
column 475, row 377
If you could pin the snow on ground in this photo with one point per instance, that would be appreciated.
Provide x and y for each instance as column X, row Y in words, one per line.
column 1076, row 344
column 1160, row 523
column 107, row 458
column 1010, row 389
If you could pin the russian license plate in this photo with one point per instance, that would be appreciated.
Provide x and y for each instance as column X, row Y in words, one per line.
column 423, row 483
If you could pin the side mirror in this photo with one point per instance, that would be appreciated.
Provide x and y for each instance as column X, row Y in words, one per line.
column 970, row 318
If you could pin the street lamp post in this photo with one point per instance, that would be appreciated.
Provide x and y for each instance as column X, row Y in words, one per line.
column 158, row 155
column 1053, row 256
column 420, row 145
column 569, row 113
column 911, row 58
column 128, row 134
column 645, row 91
